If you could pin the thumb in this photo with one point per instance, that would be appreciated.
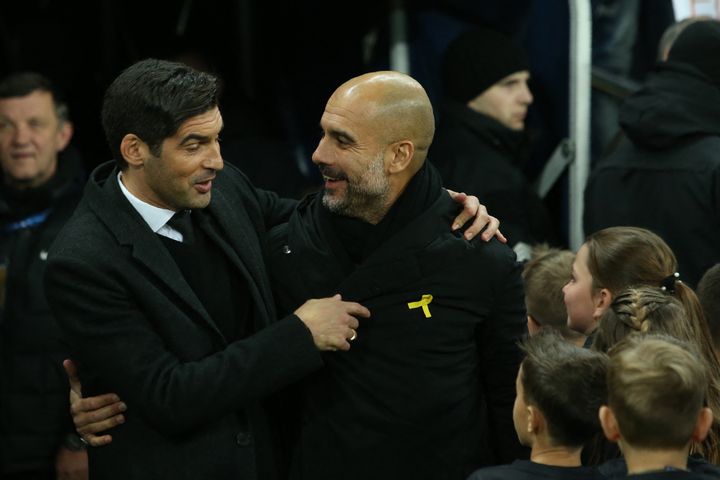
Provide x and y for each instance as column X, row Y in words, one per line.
column 71, row 371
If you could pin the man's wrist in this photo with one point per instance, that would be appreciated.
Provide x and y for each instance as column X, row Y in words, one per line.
column 74, row 442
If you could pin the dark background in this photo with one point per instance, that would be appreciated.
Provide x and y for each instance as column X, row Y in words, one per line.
column 280, row 61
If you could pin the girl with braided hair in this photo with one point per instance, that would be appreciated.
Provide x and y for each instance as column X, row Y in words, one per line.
column 627, row 276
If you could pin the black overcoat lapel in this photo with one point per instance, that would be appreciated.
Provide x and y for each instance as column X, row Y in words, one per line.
column 129, row 228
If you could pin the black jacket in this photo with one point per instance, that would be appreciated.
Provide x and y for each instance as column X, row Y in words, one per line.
column 665, row 175
column 34, row 411
column 478, row 155
column 137, row 328
column 416, row 396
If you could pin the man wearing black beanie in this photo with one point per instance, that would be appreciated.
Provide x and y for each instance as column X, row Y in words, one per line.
column 664, row 174
column 480, row 144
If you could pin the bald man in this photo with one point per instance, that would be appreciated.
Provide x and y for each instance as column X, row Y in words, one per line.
column 426, row 391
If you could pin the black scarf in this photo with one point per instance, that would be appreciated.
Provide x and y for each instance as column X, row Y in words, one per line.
column 359, row 238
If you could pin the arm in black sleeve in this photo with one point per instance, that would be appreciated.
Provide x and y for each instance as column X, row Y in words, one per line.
column 501, row 355
column 120, row 346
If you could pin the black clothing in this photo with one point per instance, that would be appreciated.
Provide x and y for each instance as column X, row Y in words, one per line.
column 617, row 468
column 528, row 470
column 137, row 328
column 665, row 176
column 478, row 155
column 424, row 393
column 34, row 410
column 668, row 475
column 222, row 291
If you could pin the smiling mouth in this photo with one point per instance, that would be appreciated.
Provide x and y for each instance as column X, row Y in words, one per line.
column 333, row 179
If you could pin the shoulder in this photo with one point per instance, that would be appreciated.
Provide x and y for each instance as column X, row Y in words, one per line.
column 231, row 178
column 500, row 472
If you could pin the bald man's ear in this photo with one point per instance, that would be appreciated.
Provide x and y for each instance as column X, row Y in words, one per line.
column 134, row 150
column 402, row 153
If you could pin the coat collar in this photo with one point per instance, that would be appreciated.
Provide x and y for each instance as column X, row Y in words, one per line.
column 108, row 203
column 393, row 265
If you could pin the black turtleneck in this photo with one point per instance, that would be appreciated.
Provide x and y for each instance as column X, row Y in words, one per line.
column 360, row 238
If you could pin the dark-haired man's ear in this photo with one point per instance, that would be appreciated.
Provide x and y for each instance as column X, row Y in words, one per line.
column 134, row 150
column 609, row 423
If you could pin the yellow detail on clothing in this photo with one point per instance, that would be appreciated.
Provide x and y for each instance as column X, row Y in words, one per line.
column 424, row 302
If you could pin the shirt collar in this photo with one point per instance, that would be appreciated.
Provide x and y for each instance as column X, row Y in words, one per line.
column 155, row 217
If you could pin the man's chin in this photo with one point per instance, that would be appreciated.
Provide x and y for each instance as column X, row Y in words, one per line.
column 332, row 201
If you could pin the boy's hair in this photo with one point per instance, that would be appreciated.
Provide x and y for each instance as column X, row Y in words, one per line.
column 567, row 384
column 546, row 273
column 656, row 388
column 708, row 292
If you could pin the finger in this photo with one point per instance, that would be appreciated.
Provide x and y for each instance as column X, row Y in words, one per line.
column 357, row 310
column 337, row 296
column 95, row 403
column 100, row 426
column 71, row 371
column 453, row 193
column 493, row 230
column 94, row 416
column 343, row 345
column 98, row 441
column 353, row 323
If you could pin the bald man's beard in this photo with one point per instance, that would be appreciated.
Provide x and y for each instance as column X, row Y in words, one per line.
column 365, row 197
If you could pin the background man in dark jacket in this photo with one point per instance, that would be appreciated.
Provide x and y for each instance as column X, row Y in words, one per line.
column 428, row 388
column 481, row 144
column 41, row 183
column 668, row 164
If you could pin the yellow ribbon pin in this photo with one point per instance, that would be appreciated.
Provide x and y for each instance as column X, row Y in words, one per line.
column 424, row 302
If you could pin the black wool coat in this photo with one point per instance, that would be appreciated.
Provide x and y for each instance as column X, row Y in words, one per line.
column 34, row 409
column 422, row 395
column 136, row 328
column 477, row 155
column 665, row 173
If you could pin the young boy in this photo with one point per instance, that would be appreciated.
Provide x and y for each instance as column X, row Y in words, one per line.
column 544, row 277
column 560, row 387
column 656, row 389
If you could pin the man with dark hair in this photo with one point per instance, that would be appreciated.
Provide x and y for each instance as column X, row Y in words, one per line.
column 667, row 165
column 42, row 180
column 481, row 143
column 656, row 405
column 174, row 314
column 560, row 388
column 708, row 292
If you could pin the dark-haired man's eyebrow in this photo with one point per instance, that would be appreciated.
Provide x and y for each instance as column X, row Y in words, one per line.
column 196, row 137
